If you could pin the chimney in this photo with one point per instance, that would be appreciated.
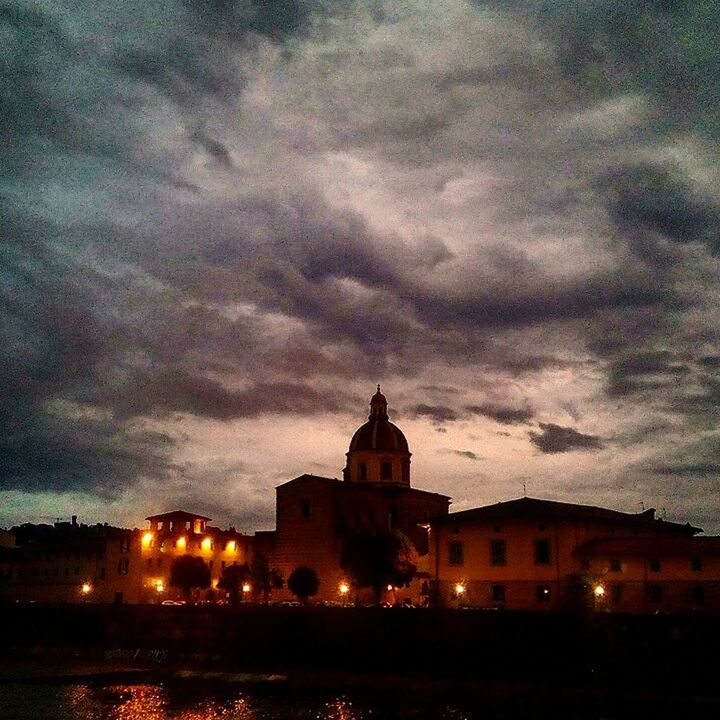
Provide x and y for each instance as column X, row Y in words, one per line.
column 74, row 520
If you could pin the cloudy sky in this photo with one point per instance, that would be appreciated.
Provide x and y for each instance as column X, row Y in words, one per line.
column 224, row 222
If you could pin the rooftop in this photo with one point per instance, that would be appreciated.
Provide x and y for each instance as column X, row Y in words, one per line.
column 526, row 508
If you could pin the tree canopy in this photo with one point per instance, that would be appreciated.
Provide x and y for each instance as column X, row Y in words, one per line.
column 265, row 578
column 303, row 583
column 378, row 559
column 232, row 579
column 188, row 572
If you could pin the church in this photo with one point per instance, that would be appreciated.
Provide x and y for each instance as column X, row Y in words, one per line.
column 315, row 515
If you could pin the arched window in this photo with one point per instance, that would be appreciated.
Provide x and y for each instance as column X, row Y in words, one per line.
column 386, row 470
column 362, row 471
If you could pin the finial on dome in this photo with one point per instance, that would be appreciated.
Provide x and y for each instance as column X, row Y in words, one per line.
column 378, row 405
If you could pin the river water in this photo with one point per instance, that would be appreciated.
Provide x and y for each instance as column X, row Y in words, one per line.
column 192, row 701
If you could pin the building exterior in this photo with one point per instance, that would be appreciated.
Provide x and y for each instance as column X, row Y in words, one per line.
column 531, row 554
column 71, row 562
column 316, row 515
column 174, row 534
column 651, row 574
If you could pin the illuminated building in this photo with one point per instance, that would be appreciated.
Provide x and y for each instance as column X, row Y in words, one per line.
column 315, row 515
column 531, row 554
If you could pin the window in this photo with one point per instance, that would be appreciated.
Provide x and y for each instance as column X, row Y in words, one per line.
column 615, row 565
column 362, row 471
column 498, row 593
column 542, row 552
column 125, row 545
column 123, row 566
column 498, row 552
column 455, row 553
column 305, row 509
column 696, row 563
column 655, row 565
column 616, row 592
column 386, row 470
column 654, row 592
column 698, row 595
column 542, row 593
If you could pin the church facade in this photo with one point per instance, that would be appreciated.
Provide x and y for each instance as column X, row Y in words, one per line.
column 316, row 515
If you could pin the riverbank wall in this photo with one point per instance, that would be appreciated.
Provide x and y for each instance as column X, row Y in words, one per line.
column 653, row 651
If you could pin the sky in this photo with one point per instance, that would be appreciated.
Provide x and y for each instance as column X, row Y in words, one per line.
column 223, row 223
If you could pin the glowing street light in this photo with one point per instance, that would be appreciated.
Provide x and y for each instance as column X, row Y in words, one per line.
column 159, row 586
column 599, row 591
column 344, row 588
column 246, row 588
column 86, row 588
column 459, row 589
column 389, row 588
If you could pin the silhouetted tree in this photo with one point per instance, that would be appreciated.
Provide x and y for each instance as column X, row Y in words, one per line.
column 378, row 559
column 188, row 572
column 232, row 579
column 265, row 579
column 303, row 583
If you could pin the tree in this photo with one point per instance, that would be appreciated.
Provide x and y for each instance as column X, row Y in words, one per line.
column 232, row 579
column 379, row 559
column 264, row 578
column 303, row 583
column 188, row 572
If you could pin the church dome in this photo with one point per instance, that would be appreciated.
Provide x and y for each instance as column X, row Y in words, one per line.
column 378, row 434
column 378, row 451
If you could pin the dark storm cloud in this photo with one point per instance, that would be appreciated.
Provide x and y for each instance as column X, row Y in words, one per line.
column 647, row 198
column 438, row 413
column 643, row 371
column 668, row 49
column 469, row 454
column 173, row 390
column 502, row 414
column 557, row 439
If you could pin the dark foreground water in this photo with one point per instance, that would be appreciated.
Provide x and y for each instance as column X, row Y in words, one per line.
column 191, row 701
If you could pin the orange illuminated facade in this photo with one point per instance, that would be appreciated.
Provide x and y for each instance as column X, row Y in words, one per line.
column 531, row 554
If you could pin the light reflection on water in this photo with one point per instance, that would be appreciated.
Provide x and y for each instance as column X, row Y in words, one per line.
column 197, row 701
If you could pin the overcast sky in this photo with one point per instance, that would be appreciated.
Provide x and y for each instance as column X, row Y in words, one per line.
column 223, row 223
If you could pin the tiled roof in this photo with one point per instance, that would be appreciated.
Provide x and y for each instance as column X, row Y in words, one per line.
column 177, row 515
column 550, row 510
